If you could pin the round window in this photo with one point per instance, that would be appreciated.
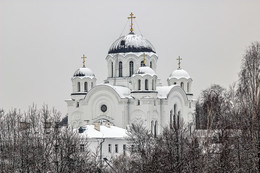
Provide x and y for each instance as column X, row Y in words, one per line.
column 103, row 108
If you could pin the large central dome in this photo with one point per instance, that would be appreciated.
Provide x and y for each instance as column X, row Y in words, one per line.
column 131, row 43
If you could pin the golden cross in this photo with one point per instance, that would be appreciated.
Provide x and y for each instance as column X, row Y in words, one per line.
column 179, row 63
column 84, row 60
column 131, row 21
column 144, row 58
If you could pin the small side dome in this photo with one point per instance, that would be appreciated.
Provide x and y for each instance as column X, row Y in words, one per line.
column 145, row 70
column 180, row 73
column 81, row 72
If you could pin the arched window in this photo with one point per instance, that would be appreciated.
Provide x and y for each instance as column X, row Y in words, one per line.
column 152, row 124
column 155, row 129
column 85, row 86
column 182, row 85
column 142, row 64
column 139, row 84
column 146, row 84
column 120, row 69
column 188, row 87
column 92, row 84
column 152, row 84
column 78, row 86
column 151, row 64
column 131, row 68
column 112, row 71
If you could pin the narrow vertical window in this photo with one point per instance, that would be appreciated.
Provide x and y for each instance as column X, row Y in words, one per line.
column 182, row 85
column 86, row 87
column 155, row 129
column 188, row 87
column 171, row 119
column 152, row 84
column 178, row 120
column 78, row 86
column 142, row 64
column 152, row 127
column 112, row 71
column 151, row 64
column 139, row 84
column 132, row 148
column 120, row 69
column 116, row 148
column 109, row 148
column 124, row 148
column 82, row 147
column 77, row 104
column 174, row 115
column 146, row 84
column 92, row 84
column 138, row 102
column 174, row 109
column 131, row 68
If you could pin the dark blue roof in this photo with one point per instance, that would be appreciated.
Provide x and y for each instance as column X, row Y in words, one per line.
column 131, row 43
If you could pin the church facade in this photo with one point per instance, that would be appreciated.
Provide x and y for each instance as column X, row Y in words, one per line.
column 132, row 92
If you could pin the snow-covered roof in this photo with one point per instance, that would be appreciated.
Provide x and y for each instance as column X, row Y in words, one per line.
column 131, row 43
column 145, row 70
column 163, row 91
column 84, row 72
column 138, row 54
column 123, row 92
column 105, row 132
column 180, row 73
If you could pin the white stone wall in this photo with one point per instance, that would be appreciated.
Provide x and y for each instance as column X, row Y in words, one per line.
column 95, row 143
column 123, row 111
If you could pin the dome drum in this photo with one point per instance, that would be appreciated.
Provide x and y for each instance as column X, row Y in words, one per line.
column 181, row 78
column 144, row 80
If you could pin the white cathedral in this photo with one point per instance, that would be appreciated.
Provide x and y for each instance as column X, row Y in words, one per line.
column 132, row 92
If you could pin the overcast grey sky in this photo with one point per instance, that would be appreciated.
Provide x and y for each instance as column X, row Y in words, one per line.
column 41, row 42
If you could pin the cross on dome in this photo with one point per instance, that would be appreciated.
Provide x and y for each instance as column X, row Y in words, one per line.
column 84, row 60
column 131, row 21
column 179, row 63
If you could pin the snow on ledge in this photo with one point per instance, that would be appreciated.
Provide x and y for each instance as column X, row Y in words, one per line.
column 163, row 91
column 105, row 132
column 123, row 92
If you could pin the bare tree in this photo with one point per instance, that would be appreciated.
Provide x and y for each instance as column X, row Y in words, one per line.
column 222, row 138
column 249, row 102
column 35, row 142
column 170, row 151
